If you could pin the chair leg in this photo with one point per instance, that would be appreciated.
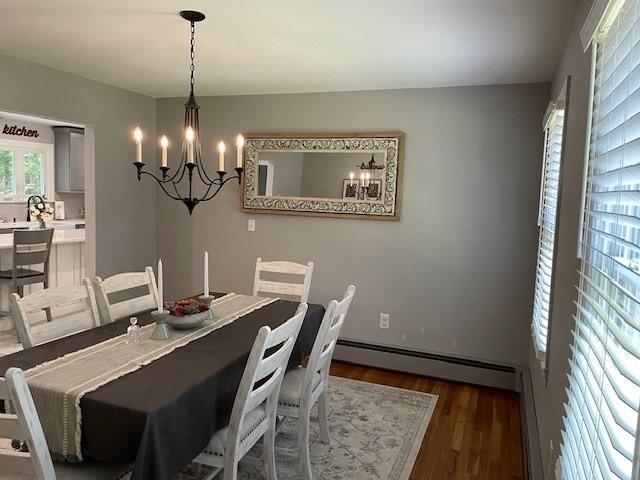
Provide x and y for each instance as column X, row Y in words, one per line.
column 47, row 310
column 230, row 471
column 270, row 452
column 304, row 460
column 322, row 417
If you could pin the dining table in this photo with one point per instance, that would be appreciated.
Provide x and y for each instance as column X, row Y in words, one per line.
column 162, row 415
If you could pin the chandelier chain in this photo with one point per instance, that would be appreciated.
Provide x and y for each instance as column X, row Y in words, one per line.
column 193, row 54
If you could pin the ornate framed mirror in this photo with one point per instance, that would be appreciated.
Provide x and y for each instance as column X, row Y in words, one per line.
column 338, row 175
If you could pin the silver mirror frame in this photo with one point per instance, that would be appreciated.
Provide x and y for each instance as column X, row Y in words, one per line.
column 388, row 208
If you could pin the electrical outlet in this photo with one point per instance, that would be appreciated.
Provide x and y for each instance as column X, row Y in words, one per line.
column 422, row 331
column 384, row 320
column 404, row 337
column 251, row 225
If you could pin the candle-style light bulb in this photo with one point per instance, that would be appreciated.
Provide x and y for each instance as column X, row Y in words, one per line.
column 164, row 144
column 351, row 175
column 239, row 146
column 137, row 135
column 189, row 135
column 221, row 149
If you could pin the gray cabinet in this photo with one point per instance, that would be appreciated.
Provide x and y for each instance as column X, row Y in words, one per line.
column 69, row 159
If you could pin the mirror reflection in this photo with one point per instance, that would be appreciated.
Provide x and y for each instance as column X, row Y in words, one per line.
column 334, row 175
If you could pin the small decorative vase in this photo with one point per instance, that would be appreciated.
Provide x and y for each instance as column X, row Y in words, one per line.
column 42, row 222
column 161, row 331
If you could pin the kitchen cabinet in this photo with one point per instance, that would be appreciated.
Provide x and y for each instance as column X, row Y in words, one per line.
column 69, row 161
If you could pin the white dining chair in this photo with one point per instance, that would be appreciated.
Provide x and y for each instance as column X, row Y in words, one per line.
column 23, row 425
column 112, row 309
column 299, row 291
column 302, row 387
column 73, row 309
column 254, row 410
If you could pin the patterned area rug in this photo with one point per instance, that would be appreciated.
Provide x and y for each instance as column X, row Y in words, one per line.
column 376, row 432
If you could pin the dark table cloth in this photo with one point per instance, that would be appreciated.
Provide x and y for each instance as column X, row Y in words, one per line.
column 163, row 415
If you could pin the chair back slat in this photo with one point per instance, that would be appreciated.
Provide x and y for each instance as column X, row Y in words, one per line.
column 325, row 343
column 10, row 428
column 31, row 247
column 52, row 298
column 298, row 290
column 261, row 366
column 113, row 310
column 23, row 424
column 75, row 310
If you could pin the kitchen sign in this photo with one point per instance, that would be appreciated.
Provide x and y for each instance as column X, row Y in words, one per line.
column 16, row 131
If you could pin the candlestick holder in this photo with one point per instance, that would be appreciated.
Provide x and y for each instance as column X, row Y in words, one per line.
column 208, row 300
column 161, row 331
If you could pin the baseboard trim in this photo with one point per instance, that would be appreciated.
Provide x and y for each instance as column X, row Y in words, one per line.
column 516, row 378
column 476, row 372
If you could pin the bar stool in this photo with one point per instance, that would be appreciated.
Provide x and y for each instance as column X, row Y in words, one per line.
column 30, row 248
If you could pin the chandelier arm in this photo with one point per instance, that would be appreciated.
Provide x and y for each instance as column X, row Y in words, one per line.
column 161, row 183
column 175, row 189
column 220, row 185
column 182, row 169
column 202, row 173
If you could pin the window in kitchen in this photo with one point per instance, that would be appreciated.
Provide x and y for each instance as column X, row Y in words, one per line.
column 25, row 169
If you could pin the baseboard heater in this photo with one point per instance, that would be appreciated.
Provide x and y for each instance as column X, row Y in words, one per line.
column 435, row 365
column 477, row 372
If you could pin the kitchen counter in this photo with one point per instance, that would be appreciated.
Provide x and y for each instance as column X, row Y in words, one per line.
column 59, row 237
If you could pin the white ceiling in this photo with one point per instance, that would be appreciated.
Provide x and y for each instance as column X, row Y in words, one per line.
column 275, row 46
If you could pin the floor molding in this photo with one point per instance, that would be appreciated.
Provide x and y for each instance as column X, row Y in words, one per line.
column 515, row 378
column 435, row 365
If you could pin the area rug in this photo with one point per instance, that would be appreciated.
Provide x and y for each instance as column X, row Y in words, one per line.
column 376, row 432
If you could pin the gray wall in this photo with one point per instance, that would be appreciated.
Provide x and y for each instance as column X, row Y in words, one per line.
column 549, row 397
column 455, row 273
column 125, row 209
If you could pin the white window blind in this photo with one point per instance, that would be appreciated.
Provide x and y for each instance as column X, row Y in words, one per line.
column 599, row 438
column 549, row 193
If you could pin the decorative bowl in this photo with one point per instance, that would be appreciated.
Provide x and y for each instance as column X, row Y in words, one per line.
column 186, row 322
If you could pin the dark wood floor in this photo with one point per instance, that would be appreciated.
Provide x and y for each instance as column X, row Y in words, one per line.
column 475, row 432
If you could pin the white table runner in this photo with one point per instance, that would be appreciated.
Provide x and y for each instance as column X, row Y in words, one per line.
column 58, row 385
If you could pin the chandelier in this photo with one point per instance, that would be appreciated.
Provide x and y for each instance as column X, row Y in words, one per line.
column 179, row 185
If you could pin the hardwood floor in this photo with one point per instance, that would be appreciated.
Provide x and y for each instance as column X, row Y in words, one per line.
column 475, row 432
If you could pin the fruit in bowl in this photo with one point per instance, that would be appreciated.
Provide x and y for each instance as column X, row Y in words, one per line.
column 187, row 313
column 188, row 306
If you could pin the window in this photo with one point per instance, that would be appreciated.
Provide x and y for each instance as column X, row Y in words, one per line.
column 549, row 196
column 25, row 169
column 599, row 438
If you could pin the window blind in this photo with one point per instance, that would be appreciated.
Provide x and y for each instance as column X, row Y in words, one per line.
column 547, row 213
column 599, row 438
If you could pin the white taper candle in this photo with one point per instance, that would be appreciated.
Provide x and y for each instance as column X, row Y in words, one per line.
column 160, row 287
column 221, row 149
column 239, row 146
column 164, row 143
column 189, row 134
column 137, row 135
column 206, row 273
